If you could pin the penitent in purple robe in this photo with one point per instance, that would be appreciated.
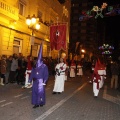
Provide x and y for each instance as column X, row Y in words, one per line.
column 39, row 75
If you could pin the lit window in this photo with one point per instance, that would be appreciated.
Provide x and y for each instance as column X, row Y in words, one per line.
column 34, row 50
column 17, row 45
column 21, row 7
column 39, row 14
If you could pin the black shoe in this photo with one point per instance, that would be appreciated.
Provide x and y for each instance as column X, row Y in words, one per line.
column 95, row 96
column 35, row 106
column 54, row 93
column 41, row 105
column 18, row 83
column 22, row 84
column 59, row 92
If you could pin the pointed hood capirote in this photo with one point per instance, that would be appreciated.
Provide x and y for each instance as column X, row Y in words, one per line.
column 96, row 68
column 39, row 60
column 99, row 63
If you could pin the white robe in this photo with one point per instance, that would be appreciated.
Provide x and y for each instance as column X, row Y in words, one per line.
column 79, row 70
column 67, row 68
column 72, row 70
column 95, row 89
column 27, row 75
column 102, row 74
column 59, row 79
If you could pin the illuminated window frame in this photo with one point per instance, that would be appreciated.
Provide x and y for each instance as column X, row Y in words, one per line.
column 35, row 49
column 22, row 6
column 17, row 43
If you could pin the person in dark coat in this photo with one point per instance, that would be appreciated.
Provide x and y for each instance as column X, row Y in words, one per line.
column 39, row 76
column 115, row 73
column 3, row 65
column 8, row 67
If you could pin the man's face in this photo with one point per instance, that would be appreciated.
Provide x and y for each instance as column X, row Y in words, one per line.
column 61, row 60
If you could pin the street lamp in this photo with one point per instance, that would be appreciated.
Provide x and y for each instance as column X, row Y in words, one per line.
column 34, row 25
column 83, row 51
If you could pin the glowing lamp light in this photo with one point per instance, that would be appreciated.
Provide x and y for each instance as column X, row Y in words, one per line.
column 83, row 51
column 28, row 20
column 37, row 26
column 33, row 20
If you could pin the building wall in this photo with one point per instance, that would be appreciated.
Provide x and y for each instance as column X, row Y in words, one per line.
column 13, row 26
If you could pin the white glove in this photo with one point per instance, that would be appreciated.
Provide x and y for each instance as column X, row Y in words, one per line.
column 43, row 84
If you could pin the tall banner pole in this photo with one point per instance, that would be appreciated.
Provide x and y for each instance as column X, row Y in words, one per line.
column 58, row 50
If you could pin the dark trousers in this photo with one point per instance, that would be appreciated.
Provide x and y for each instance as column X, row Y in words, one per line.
column 20, row 78
column 12, row 76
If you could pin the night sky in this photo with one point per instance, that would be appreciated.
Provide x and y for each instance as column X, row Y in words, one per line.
column 113, row 33
column 112, row 22
column 112, row 26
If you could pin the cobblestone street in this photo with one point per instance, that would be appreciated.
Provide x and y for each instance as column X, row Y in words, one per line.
column 75, row 103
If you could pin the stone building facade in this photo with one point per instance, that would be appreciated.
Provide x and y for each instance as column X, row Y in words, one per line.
column 15, row 36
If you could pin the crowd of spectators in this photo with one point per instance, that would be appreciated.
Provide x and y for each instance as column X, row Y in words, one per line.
column 12, row 68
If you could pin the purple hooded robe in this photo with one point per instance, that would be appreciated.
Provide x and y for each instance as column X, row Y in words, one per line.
column 39, row 75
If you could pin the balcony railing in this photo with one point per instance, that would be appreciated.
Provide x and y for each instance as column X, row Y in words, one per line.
column 9, row 10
